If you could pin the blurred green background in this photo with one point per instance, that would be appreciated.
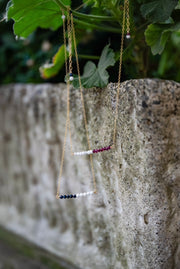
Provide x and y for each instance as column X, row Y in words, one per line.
column 20, row 59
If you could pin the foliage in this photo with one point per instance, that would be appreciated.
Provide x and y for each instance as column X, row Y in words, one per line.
column 30, row 14
column 155, row 23
column 97, row 76
column 158, row 11
column 158, row 34
column 50, row 70
column 20, row 59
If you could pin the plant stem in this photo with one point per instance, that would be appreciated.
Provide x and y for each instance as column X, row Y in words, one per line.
column 86, row 16
column 91, row 57
column 99, row 27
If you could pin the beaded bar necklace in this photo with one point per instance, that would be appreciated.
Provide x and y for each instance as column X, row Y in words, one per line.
column 69, row 79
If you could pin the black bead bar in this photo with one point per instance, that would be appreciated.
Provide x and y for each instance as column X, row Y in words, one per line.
column 67, row 196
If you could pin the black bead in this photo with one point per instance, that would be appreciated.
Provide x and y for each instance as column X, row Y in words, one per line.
column 71, row 196
column 64, row 196
column 61, row 197
column 68, row 196
column 74, row 196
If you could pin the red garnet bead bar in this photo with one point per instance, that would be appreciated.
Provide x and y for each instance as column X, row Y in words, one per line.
column 92, row 151
column 101, row 149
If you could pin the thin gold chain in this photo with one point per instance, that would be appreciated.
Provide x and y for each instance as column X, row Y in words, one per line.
column 83, row 106
column 119, row 74
column 69, row 29
column 64, row 143
column 66, row 68
column 67, row 126
column 127, row 17
column 71, row 33
column 64, row 38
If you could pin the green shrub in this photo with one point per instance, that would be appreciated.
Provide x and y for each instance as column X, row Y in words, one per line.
column 153, row 51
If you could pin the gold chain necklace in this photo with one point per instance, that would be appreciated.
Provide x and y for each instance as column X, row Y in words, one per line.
column 69, row 78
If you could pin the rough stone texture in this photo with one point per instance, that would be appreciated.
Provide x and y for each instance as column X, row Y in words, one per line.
column 18, row 253
column 133, row 222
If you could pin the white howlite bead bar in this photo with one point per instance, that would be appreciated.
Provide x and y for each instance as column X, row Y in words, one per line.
column 84, row 194
column 87, row 152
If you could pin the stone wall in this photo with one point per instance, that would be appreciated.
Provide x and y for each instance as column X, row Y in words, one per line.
column 133, row 222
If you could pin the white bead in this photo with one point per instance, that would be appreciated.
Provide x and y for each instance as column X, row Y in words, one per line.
column 128, row 36
column 80, row 194
column 84, row 194
column 71, row 78
column 63, row 17
column 77, row 195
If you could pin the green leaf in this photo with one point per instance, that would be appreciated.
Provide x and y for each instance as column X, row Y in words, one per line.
column 159, row 10
column 30, row 14
column 50, row 70
column 97, row 76
column 158, row 34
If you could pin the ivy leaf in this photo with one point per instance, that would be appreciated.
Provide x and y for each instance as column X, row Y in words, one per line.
column 30, row 14
column 159, row 10
column 97, row 76
column 158, row 34
column 50, row 70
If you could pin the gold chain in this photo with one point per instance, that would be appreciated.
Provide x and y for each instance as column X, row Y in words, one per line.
column 72, row 35
column 82, row 102
column 119, row 74
column 127, row 17
column 64, row 143
column 69, row 29
column 67, row 126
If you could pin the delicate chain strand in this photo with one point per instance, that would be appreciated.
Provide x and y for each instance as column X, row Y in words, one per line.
column 64, row 37
column 119, row 75
column 71, row 32
column 68, row 102
column 69, row 28
column 64, row 143
column 127, row 17
column 82, row 101
column 66, row 68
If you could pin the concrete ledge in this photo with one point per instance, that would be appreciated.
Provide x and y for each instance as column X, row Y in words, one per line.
column 133, row 221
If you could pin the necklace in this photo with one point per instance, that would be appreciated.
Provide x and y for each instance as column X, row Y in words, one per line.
column 69, row 78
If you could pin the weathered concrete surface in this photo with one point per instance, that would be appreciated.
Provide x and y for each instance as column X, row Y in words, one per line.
column 18, row 253
column 134, row 220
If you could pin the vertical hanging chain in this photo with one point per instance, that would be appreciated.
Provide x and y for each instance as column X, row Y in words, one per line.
column 127, row 17
column 64, row 39
column 82, row 102
column 72, row 35
column 67, row 125
column 69, row 29
column 119, row 74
